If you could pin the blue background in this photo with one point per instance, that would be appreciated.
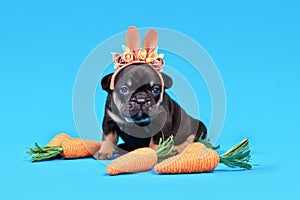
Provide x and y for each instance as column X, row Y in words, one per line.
column 255, row 45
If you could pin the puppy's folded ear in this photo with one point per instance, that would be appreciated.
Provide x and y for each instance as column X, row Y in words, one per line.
column 167, row 80
column 105, row 82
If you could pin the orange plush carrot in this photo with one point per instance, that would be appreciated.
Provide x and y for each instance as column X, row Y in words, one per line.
column 57, row 140
column 198, row 158
column 65, row 146
column 142, row 159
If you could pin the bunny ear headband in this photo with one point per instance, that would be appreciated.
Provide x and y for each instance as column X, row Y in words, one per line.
column 133, row 54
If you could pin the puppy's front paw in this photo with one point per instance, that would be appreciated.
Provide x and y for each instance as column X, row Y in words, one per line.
column 105, row 152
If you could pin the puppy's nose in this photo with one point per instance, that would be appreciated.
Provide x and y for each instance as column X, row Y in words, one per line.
column 141, row 98
column 141, row 101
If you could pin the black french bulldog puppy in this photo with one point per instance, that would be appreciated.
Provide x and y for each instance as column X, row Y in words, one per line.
column 136, row 112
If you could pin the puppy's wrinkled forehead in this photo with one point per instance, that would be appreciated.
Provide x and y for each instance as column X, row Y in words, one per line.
column 136, row 76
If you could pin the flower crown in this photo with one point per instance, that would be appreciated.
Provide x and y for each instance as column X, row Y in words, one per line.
column 133, row 53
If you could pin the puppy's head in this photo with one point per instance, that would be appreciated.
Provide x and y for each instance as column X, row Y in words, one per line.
column 137, row 93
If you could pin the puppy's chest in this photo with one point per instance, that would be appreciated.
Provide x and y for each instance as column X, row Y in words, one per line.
column 134, row 142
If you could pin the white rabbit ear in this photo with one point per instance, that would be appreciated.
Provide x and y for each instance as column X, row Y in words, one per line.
column 133, row 39
column 150, row 40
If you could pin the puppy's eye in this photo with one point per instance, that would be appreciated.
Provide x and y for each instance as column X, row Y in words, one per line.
column 155, row 90
column 124, row 90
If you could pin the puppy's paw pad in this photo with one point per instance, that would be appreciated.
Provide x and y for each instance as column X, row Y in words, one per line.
column 104, row 154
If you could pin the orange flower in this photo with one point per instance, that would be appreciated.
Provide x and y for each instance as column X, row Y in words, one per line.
column 158, row 64
column 152, row 56
column 142, row 54
column 128, row 57
column 118, row 60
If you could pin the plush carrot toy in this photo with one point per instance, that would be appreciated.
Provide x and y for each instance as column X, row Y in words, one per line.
column 198, row 158
column 139, row 160
column 65, row 146
column 142, row 159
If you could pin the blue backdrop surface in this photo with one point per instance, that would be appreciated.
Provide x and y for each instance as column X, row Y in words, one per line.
column 254, row 44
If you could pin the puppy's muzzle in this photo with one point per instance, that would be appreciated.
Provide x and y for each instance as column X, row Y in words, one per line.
column 139, row 108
